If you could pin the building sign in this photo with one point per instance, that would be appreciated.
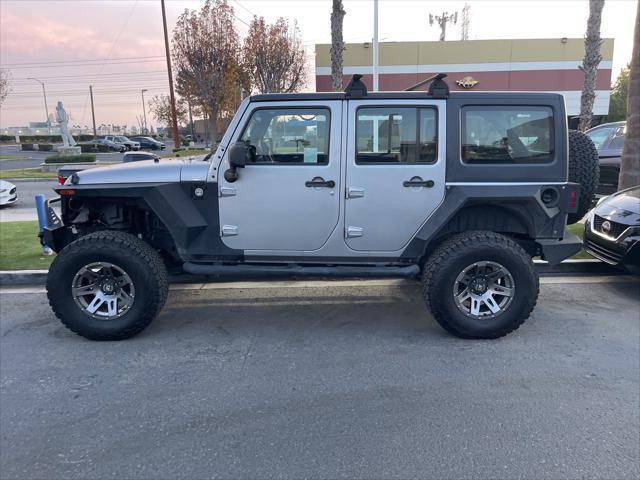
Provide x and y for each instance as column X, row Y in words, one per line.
column 467, row 82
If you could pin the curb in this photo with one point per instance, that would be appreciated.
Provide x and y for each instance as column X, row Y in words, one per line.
column 568, row 267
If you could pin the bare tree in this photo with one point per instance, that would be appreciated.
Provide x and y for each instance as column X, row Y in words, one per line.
column 160, row 108
column 5, row 87
column 589, row 67
column 630, row 165
column 442, row 21
column 337, row 44
column 273, row 56
column 205, row 50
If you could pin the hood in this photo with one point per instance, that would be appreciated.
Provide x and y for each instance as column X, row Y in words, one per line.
column 628, row 200
column 146, row 171
column 4, row 185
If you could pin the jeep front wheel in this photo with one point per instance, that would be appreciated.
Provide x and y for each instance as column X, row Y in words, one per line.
column 480, row 285
column 107, row 285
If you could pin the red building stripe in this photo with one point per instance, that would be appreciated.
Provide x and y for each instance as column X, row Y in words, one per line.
column 528, row 80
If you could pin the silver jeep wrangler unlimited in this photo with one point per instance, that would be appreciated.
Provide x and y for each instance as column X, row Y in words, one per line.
column 461, row 188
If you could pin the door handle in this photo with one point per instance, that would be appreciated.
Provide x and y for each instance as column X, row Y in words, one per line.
column 418, row 182
column 319, row 182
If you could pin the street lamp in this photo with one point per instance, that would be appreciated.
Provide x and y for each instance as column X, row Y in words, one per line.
column 144, row 111
column 44, row 94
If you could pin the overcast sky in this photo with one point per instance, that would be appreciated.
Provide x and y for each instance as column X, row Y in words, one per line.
column 92, row 36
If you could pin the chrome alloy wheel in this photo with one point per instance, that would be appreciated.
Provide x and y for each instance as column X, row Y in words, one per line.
column 103, row 290
column 484, row 290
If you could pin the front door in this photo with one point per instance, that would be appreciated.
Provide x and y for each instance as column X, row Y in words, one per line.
column 395, row 171
column 288, row 198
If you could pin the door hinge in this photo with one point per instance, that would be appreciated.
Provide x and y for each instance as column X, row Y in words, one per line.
column 355, row 192
column 227, row 191
column 229, row 230
column 353, row 232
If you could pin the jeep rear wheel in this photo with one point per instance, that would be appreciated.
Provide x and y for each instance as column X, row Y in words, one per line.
column 107, row 285
column 584, row 168
column 480, row 285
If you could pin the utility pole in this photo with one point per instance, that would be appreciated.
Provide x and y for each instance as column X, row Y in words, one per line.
column 466, row 13
column 144, row 112
column 174, row 118
column 93, row 113
column 46, row 108
column 442, row 20
column 193, row 135
column 375, row 45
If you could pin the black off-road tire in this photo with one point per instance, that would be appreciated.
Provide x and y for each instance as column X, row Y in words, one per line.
column 456, row 254
column 584, row 168
column 143, row 265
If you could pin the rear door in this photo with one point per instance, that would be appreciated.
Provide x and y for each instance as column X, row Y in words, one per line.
column 395, row 171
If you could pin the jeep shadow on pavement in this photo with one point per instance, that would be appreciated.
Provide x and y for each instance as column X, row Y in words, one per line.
column 461, row 189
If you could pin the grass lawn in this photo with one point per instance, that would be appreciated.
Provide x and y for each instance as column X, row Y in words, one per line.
column 26, row 173
column 20, row 247
column 578, row 229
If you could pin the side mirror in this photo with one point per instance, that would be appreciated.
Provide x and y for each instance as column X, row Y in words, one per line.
column 239, row 154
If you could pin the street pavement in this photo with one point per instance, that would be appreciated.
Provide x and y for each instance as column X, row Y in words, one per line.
column 35, row 159
column 25, row 206
column 335, row 379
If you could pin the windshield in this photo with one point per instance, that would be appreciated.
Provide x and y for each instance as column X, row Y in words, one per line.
column 122, row 139
column 599, row 136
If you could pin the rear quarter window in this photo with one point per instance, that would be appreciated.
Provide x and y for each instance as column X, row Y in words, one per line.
column 507, row 135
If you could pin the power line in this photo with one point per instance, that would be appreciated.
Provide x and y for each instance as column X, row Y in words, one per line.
column 84, row 60
column 86, row 65
column 245, row 8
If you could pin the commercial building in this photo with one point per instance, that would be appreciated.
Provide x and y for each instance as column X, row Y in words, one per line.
column 546, row 65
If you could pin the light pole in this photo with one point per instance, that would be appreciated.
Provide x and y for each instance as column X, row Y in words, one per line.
column 46, row 109
column 144, row 112
column 375, row 45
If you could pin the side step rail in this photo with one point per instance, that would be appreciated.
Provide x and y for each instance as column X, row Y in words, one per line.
column 294, row 270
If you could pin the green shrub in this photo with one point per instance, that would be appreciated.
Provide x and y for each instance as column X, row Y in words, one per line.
column 82, row 158
column 45, row 147
column 87, row 148
column 27, row 146
column 103, row 148
column 8, row 138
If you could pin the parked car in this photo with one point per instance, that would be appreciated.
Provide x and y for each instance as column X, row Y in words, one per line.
column 8, row 193
column 612, row 229
column 114, row 147
column 139, row 156
column 608, row 139
column 150, row 143
column 460, row 189
column 121, row 140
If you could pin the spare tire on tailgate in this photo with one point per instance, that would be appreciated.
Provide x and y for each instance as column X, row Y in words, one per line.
column 583, row 169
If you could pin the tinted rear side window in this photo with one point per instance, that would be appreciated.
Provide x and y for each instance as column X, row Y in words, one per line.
column 507, row 134
column 396, row 135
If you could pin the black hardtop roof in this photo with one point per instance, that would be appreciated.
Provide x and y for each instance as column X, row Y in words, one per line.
column 421, row 95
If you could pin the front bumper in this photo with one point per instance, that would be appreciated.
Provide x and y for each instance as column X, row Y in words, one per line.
column 623, row 250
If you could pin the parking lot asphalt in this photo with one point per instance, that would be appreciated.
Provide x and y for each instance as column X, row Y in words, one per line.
column 325, row 380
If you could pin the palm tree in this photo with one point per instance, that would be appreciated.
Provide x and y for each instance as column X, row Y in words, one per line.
column 630, row 165
column 337, row 44
column 589, row 67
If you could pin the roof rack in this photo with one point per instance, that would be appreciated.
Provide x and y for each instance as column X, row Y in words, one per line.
column 356, row 87
column 438, row 88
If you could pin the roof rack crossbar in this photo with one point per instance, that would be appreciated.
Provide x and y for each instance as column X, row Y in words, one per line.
column 438, row 88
